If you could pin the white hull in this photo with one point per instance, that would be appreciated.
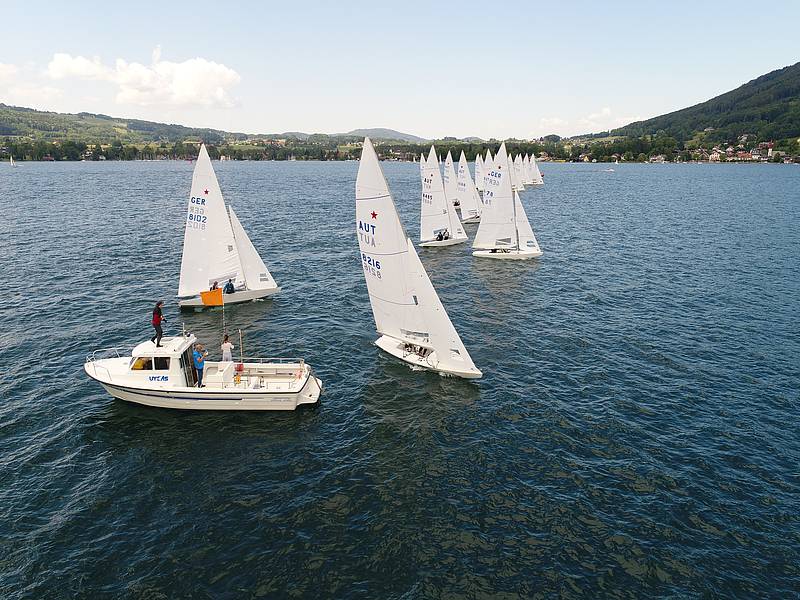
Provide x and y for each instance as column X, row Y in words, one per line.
column 437, row 243
column 235, row 298
column 510, row 255
column 430, row 363
column 203, row 399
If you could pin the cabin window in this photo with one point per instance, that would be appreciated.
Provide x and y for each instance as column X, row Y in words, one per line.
column 162, row 363
column 143, row 363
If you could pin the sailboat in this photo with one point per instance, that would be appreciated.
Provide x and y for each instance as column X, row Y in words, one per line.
column 409, row 316
column 216, row 247
column 479, row 168
column 450, row 181
column 504, row 232
column 468, row 196
column 518, row 173
column 13, row 164
column 536, row 174
column 439, row 224
column 527, row 173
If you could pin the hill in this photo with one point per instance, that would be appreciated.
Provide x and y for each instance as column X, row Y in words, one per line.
column 381, row 133
column 767, row 107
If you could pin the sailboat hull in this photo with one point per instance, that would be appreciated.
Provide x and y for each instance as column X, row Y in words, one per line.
column 437, row 243
column 510, row 255
column 235, row 298
column 396, row 348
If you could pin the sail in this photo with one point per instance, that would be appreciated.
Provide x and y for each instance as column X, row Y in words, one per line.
column 468, row 196
column 526, row 170
column 497, row 229
column 479, row 168
column 438, row 215
column 256, row 274
column 12, row 162
column 516, row 173
column 527, row 241
column 488, row 164
column 450, row 179
column 404, row 302
column 536, row 174
column 209, row 248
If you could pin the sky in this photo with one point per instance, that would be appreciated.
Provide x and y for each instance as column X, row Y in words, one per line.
column 433, row 69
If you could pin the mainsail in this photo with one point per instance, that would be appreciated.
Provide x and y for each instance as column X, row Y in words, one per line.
column 479, row 168
column 497, row 228
column 404, row 303
column 209, row 248
column 468, row 197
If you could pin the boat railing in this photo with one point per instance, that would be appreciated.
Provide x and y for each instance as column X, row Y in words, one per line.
column 115, row 352
column 279, row 360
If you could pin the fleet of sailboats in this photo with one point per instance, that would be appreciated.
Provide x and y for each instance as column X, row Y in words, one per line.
column 413, row 325
column 217, row 249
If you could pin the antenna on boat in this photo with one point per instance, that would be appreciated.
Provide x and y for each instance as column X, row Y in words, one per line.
column 241, row 349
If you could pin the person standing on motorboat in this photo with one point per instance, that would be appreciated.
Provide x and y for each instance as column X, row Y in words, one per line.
column 227, row 349
column 158, row 318
column 199, row 356
column 229, row 288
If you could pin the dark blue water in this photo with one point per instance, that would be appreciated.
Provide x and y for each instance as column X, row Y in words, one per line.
column 635, row 433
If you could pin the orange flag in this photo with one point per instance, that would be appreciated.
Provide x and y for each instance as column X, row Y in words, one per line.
column 212, row 297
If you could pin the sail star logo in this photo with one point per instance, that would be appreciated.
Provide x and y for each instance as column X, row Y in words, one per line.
column 205, row 192
column 374, row 215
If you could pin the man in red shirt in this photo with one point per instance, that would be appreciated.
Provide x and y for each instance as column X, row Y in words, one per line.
column 158, row 318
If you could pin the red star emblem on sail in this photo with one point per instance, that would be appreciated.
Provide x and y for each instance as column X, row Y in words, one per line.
column 205, row 192
column 374, row 215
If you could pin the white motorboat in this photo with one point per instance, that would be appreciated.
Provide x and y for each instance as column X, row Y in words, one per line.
column 216, row 248
column 165, row 377
column 505, row 232
column 413, row 324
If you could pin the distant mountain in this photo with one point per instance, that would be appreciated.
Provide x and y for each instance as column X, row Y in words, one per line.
column 380, row 133
column 768, row 107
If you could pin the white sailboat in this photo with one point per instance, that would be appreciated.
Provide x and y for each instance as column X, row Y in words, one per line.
column 518, row 173
column 536, row 174
column 527, row 173
column 450, row 180
column 468, row 197
column 13, row 164
column 439, row 224
column 479, row 169
column 216, row 247
column 504, row 232
column 413, row 324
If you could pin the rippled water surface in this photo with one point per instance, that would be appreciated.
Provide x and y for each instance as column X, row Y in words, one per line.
column 635, row 433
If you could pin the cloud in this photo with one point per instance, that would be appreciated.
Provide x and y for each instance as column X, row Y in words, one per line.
column 195, row 81
column 64, row 66
column 604, row 119
column 7, row 72
column 32, row 95
column 552, row 123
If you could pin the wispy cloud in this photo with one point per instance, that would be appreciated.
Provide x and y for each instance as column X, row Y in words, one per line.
column 195, row 81
column 604, row 119
column 7, row 72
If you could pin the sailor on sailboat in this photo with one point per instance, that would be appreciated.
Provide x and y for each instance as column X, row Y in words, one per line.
column 413, row 324
column 468, row 197
column 216, row 248
column 439, row 224
column 504, row 232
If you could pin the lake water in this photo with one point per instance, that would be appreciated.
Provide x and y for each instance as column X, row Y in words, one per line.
column 635, row 433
